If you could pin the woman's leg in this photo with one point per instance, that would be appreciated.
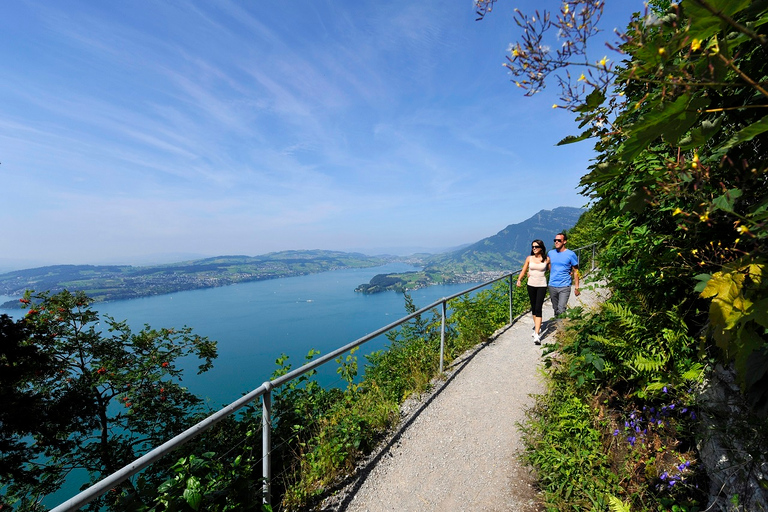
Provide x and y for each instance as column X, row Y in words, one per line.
column 540, row 294
column 537, row 324
column 532, row 298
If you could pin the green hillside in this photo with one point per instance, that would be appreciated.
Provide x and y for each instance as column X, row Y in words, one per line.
column 505, row 251
column 118, row 282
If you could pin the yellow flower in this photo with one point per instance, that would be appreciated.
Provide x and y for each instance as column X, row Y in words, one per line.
column 662, row 51
column 566, row 8
column 677, row 211
column 743, row 230
column 704, row 217
column 554, row 105
column 695, row 44
column 694, row 251
column 582, row 78
column 518, row 84
column 604, row 61
column 515, row 53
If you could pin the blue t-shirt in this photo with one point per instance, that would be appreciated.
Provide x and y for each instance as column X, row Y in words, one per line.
column 561, row 264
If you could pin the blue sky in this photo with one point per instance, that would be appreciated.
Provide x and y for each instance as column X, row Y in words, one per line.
column 137, row 131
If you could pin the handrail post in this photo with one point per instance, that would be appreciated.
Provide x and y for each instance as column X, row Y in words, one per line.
column 442, row 336
column 266, row 443
column 511, row 292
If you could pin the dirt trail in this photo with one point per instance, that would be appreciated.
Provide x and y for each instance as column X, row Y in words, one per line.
column 456, row 448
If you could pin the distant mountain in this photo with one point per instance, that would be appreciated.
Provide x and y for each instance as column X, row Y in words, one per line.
column 404, row 250
column 507, row 249
column 503, row 252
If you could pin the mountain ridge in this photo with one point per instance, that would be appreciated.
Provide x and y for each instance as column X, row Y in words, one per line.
column 505, row 249
column 511, row 244
column 483, row 260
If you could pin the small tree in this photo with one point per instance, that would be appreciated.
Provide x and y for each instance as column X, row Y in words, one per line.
column 97, row 394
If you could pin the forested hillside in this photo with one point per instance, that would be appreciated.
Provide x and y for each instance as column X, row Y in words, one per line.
column 509, row 247
column 503, row 252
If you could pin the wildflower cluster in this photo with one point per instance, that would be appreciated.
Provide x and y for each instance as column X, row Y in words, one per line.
column 641, row 422
column 669, row 480
column 654, row 434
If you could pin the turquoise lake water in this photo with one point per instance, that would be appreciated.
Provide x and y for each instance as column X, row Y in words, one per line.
column 254, row 323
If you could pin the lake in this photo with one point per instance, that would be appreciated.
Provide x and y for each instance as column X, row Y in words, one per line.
column 254, row 323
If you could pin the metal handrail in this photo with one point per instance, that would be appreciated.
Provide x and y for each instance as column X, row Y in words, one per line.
column 265, row 391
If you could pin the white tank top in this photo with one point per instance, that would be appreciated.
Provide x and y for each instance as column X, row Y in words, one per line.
column 536, row 269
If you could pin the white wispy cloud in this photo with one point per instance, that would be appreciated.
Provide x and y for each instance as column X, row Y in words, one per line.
column 216, row 127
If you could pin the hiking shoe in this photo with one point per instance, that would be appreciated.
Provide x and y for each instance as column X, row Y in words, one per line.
column 536, row 339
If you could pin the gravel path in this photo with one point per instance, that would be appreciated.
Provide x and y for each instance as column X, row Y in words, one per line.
column 456, row 448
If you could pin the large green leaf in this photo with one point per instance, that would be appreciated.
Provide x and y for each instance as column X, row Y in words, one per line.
column 759, row 312
column 725, row 201
column 593, row 100
column 193, row 498
column 700, row 135
column 678, row 124
column 703, row 23
column 570, row 139
column 745, row 134
column 671, row 119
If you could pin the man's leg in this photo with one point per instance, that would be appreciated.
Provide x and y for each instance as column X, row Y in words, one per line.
column 553, row 296
column 560, row 298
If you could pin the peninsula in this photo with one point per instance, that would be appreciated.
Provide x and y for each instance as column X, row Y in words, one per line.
column 119, row 282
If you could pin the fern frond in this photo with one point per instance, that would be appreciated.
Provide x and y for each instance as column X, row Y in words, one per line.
column 634, row 324
column 695, row 372
column 645, row 364
column 616, row 505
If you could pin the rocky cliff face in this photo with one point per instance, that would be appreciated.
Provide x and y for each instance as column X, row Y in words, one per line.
column 732, row 447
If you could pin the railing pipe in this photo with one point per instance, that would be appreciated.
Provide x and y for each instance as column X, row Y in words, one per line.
column 134, row 467
column 265, row 391
column 131, row 469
